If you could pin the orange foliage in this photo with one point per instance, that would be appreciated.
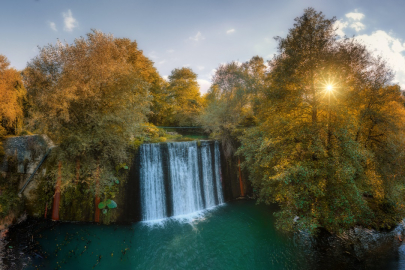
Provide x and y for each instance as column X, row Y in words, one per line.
column 12, row 93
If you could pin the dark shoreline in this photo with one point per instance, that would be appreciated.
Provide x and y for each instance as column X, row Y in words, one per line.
column 19, row 248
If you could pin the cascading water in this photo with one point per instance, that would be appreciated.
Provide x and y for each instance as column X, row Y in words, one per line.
column 208, row 177
column 152, row 188
column 179, row 178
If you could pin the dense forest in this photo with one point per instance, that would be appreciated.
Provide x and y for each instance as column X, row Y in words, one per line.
column 320, row 127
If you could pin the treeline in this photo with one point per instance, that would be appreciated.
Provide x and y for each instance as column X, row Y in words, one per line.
column 320, row 127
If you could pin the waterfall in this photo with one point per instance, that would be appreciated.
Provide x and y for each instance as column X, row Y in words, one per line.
column 179, row 178
column 152, row 188
column 208, row 175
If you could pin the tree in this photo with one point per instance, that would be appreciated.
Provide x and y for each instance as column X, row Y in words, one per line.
column 325, row 137
column 183, row 95
column 12, row 96
column 232, row 101
column 320, row 154
column 89, row 97
column 157, row 85
column 160, row 107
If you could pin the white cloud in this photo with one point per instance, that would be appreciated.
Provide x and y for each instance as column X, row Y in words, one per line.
column 379, row 43
column 52, row 25
column 340, row 26
column 170, row 51
column 266, row 64
column 162, row 62
column 357, row 26
column 197, row 37
column 213, row 71
column 230, row 31
column 390, row 48
column 269, row 40
column 357, row 16
column 70, row 22
column 166, row 77
column 153, row 55
column 200, row 67
column 204, row 86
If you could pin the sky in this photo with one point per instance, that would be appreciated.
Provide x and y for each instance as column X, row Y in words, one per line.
column 197, row 34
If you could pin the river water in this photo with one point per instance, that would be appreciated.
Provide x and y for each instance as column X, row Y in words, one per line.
column 235, row 235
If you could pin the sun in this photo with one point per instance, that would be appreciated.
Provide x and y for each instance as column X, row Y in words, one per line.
column 329, row 87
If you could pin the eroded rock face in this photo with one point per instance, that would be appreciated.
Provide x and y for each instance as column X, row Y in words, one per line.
column 358, row 248
column 22, row 156
column 23, row 153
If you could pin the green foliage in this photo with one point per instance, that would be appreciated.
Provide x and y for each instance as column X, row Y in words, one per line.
column 111, row 204
column 108, row 203
column 119, row 167
column 183, row 96
column 135, row 143
column 9, row 188
column 77, row 203
column 331, row 159
column 148, row 133
column 9, row 200
column 101, row 205
column 43, row 192
column 232, row 101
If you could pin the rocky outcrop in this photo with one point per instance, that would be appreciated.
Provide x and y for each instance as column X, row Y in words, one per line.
column 22, row 156
column 357, row 248
column 26, row 150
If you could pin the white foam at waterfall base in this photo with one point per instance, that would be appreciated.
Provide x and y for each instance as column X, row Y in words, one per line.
column 191, row 218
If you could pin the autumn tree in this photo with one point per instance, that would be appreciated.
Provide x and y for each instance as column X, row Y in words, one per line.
column 12, row 95
column 327, row 130
column 160, row 107
column 183, row 97
column 90, row 97
column 157, row 86
column 327, row 140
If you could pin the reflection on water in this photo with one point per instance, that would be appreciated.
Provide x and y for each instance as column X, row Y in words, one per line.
column 237, row 235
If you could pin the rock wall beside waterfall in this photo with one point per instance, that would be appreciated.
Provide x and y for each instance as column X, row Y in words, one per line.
column 233, row 177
